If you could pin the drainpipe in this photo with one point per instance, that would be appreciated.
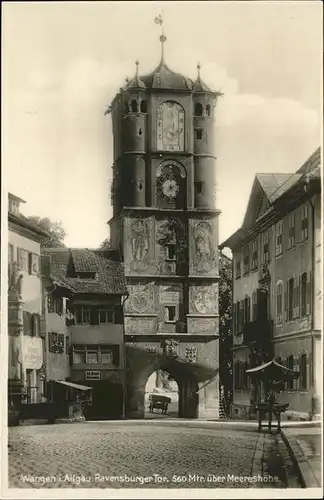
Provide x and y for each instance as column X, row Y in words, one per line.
column 312, row 295
column 124, row 359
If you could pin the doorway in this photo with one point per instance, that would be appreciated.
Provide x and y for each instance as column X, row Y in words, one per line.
column 160, row 383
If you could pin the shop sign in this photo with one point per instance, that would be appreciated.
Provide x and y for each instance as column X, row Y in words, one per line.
column 92, row 375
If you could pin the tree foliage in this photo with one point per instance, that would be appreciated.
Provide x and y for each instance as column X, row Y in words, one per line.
column 225, row 323
column 106, row 244
column 55, row 230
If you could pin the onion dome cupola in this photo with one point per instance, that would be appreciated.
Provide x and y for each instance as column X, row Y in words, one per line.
column 199, row 85
column 163, row 77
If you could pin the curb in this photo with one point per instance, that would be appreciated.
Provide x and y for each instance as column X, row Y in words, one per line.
column 300, row 462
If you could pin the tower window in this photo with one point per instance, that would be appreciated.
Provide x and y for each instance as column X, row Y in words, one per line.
column 208, row 110
column 170, row 314
column 198, row 109
column 134, row 106
column 199, row 187
column 143, row 107
column 199, row 134
column 171, row 251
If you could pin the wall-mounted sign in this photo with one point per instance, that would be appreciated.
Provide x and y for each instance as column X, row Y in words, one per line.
column 92, row 375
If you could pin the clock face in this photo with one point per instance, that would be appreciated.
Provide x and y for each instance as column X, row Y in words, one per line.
column 170, row 126
column 167, row 186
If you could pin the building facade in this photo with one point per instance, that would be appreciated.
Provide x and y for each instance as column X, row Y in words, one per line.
column 25, row 315
column 277, row 297
column 165, row 229
column 85, row 329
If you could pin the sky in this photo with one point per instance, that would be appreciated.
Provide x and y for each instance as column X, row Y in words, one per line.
column 63, row 62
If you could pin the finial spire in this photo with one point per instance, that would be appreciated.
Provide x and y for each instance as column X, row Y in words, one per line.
column 137, row 65
column 198, row 67
column 159, row 20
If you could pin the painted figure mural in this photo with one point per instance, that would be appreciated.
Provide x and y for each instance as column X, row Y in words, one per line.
column 204, row 247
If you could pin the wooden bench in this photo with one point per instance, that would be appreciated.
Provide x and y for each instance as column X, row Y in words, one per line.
column 159, row 402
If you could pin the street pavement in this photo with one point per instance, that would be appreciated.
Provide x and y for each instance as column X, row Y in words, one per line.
column 122, row 454
column 306, row 447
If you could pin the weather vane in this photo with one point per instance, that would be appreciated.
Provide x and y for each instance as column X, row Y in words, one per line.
column 159, row 20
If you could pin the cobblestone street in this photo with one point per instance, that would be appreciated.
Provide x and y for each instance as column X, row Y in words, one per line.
column 89, row 454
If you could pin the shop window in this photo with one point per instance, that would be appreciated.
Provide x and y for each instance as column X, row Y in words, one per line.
column 198, row 109
column 78, row 356
column 92, row 357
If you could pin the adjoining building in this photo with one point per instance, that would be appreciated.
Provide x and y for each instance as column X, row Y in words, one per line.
column 85, row 329
column 277, row 297
column 26, row 325
column 165, row 228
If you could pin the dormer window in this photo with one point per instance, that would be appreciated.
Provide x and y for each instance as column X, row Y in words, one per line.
column 198, row 109
column 14, row 207
column 87, row 275
column 134, row 106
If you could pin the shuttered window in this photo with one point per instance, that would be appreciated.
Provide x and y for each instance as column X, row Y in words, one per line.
column 304, row 223
column 279, row 302
column 279, row 237
column 291, row 230
column 303, row 293
column 303, row 379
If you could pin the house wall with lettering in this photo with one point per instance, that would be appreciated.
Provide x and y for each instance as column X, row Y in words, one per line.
column 58, row 356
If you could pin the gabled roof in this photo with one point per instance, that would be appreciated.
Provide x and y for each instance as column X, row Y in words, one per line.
column 67, row 263
column 268, row 191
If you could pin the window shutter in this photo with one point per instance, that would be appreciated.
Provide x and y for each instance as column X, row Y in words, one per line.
column 42, row 325
column 249, row 310
column 234, row 319
column 286, row 300
column 118, row 315
column 94, row 316
column 45, row 265
column 296, row 368
column 33, row 325
column 308, row 293
column 25, row 319
column 241, row 315
column 30, row 262
column 116, row 355
column 297, row 296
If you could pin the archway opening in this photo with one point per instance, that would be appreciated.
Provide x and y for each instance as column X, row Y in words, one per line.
column 161, row 396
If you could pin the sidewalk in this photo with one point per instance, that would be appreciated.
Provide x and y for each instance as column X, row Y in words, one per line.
column 305, row 444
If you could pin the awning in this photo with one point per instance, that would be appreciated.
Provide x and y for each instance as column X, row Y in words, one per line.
column 74, row 386
column 273, row 371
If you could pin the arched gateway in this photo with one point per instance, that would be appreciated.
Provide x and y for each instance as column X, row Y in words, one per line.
column 165, row 229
